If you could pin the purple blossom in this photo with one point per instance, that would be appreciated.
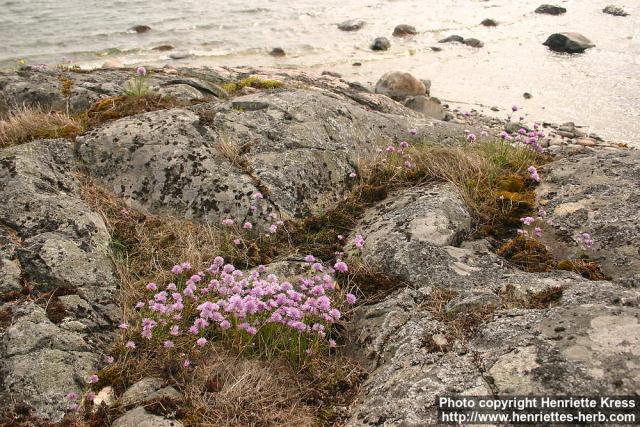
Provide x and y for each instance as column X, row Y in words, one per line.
column 247, row 225
column 141, row 71
column 340, row 266
column 413, row 132
column 227, row 222
column 351, row 299
column 72, row 396
column 168, row 344
column 352, row 175
column 201, row 342
column 471, row 137
column 534, row 173
column 528, row 220
column 537, row 232
column 93, row 379
column 130, row 345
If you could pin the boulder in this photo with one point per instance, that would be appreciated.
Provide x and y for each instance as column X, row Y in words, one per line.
column 473, row 42
column 148, row 389
column 450, row 39
column 180, row 55
column 404, row 30
column 568, row 42
column 351, row 25
column 615, row 11
column 429, row 106
column 549, row 9
column 489, row 22
column 399, row 85
column 381, row 43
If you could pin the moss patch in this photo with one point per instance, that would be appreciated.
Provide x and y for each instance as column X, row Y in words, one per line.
column 255, row 82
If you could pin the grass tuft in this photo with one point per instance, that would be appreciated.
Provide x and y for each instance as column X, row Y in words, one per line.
column 27, row 124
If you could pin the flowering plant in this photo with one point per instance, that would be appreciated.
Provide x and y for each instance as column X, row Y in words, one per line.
column 138, row 85
column 254, row 310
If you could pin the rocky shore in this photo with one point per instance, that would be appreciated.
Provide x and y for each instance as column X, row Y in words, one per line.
column 457, row 317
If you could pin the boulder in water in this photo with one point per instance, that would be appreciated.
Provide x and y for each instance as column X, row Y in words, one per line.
column 351, row 25
column 568, row 42
column 550, row 9
column 614, row 10
column 381, row 43
column 140, row 29
column 404, row 30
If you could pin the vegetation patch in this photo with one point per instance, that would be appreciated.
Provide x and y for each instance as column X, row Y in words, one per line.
column 255, row 82
column 117, row 107
column 27, row 124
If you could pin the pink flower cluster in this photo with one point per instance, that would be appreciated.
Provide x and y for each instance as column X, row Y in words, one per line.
column 534, row 173
column 203, row 304
column 586, row 240
column 401, row 151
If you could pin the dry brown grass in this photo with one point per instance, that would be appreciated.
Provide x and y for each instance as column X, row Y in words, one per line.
column 27, row 124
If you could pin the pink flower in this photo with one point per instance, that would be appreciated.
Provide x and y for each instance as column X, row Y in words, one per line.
column 471, row 137
column 72, row 396
column 351, row 299
column 93, row 379
column 168, row 344
column 514, row 108
column 332, row 343
column 413, row 132
column 237, row 242
column 228, row 222
column 152, row 287
column 123, row 325
column 528, row 220
column 404, row 144
column 258, row 195
column 109, row 360
column 359, row 241
column 176, row 269
column 141, row 71
column 91, row 396
column 247, row 225
column 140, row 304
column 341, row 267
column 130, row 345
column 352, row 175
column 186, row 363
column 390, row 149
column 309, row 258
column 537, row 232
column 534, row 173
column 201, row 342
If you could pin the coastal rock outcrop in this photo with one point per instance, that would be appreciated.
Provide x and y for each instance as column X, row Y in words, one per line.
column 60, row 259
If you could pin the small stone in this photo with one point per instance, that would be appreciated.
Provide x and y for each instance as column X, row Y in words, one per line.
column 139, row 417
column 489, row 23
column 105, row 396
column 332, row 74
column 381, row 43
column 615, row 11
column 427, row 85
column 473, row 42
column 351, row 25
column 494, row 108
column 450, row 39
column 440, row 340
column 357, row 64
column 404, row 30
column 140, row 29
column 141, row 390
column 586, row 142
column 277, row 52
column 568, row 42
column 527, row 95
column 551, row 9
column 436, row 48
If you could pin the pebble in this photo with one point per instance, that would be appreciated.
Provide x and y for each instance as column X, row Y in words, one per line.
column 381, row 43
column 278, row 52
